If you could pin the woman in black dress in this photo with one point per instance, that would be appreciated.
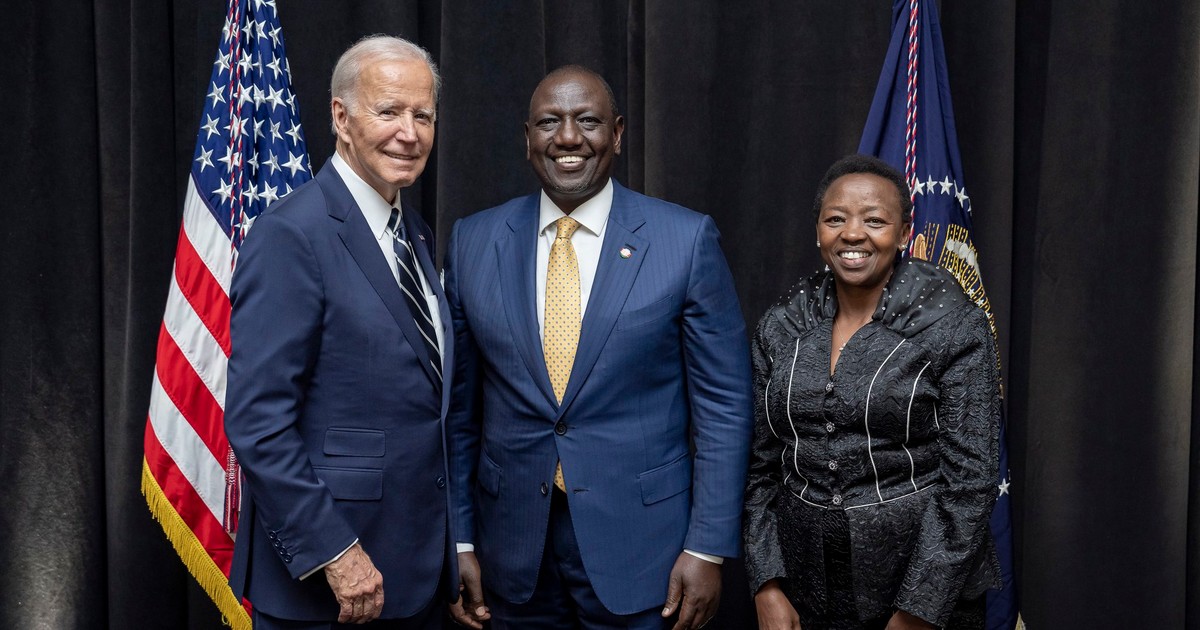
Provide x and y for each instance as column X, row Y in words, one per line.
column 876, row 443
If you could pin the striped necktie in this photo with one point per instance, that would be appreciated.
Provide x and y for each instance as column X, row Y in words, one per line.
column 562, row 322
column 410, row 285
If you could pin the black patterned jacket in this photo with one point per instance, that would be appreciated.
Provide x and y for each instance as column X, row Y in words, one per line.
column 903, row 438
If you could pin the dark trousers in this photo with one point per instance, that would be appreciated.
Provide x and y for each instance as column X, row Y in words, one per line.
column 563, row 598
column 431, row 618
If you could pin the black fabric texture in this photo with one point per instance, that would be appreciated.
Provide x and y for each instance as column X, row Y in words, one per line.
column 1079, row 126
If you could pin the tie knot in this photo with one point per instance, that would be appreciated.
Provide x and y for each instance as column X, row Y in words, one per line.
column 566, row 227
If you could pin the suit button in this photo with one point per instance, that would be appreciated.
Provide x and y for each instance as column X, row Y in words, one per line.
column 273, row 535
column 545, row 488
column 441, row 482
column 837, row 499
column 833, row 464
column 829, row 427
column 560, row 428
column 287, row 558
column 828, row 387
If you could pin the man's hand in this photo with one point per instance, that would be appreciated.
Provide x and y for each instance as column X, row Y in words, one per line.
column 908, row 621
column 775, row 612
column 472, row 612
column 697, row 584
column 357, row 586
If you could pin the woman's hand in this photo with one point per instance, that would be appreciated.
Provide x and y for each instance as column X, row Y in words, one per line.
column 775, row 612
column 906, row 621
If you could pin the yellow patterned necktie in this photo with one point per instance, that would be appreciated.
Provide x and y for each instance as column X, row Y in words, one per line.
column 561, row 336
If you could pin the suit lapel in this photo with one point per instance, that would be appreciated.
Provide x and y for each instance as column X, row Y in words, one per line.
column 364, row 248
column 516, row 257
column 614, row 279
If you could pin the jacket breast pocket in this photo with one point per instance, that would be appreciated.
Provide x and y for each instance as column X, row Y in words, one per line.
column 648, row 314
column 667, row 480
column 489, row 475
column 354, row 442
column 352, row 484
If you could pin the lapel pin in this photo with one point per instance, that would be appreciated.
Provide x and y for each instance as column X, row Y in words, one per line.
column 626, row 251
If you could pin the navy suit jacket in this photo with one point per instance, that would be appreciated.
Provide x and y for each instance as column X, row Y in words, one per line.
column 663, row 360
column 333, row 411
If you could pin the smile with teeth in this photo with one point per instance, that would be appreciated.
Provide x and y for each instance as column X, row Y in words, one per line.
column 853, row 255
column 568, row 159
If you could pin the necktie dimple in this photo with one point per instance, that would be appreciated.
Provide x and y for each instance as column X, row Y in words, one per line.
column 410, row 285
column 562, row 320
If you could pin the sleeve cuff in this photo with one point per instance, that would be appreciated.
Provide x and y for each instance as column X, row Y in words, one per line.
column 704, row 556
column 466, row 548
column 329, row 561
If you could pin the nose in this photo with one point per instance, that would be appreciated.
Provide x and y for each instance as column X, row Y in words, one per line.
column 853, row 232
column 567, row 134
column 406, row 128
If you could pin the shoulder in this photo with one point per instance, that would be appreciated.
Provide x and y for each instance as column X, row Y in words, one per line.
column 654, row 209
column 811, row 301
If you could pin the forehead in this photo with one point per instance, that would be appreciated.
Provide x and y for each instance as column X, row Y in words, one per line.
column 569, row 91
column 862, row 189
column 409, row 79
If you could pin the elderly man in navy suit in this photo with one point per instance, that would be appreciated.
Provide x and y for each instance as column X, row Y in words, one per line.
column 601, row 414
column 340, row 374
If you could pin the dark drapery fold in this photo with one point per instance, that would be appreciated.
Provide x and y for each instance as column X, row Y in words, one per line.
column 1079, row 125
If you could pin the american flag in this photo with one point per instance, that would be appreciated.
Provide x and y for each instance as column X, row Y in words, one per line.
column 911, row 126
column 250, row 152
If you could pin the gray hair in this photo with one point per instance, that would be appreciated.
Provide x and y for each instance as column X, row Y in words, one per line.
column 344, row 83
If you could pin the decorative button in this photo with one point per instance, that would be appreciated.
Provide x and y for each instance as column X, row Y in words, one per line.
column 560, row 428
column 828, row 387
column 545, row 489
column 837, row 499
column 287, row 557
column 273, row 535
column 829, row 427
column 833, row 464
column 441, row 482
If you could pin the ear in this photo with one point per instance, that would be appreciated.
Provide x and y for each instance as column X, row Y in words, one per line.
column 340, row 115
column 618, row 129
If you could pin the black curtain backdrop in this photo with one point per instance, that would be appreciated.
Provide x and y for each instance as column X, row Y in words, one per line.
column 1079, row 124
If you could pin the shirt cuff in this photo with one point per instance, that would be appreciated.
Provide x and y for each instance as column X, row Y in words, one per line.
column 329, row 561
column 705, row 556
column 466, row 548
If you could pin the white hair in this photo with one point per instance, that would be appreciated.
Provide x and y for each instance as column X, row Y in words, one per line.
column 344, row 84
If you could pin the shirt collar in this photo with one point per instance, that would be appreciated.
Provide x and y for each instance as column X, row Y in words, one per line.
column 591, row 214
column 374, row 208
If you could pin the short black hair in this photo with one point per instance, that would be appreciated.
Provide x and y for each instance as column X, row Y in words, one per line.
column 871, row 165
column 578, row 69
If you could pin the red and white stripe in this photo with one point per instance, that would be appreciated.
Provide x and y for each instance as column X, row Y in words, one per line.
column 185, row 442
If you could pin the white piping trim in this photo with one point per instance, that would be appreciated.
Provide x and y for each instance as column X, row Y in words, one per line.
column 867, row 417
column 795, row 435
column 912, row 466
column 855, row 507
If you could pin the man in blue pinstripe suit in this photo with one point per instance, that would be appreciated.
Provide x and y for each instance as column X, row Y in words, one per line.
column 601, row 411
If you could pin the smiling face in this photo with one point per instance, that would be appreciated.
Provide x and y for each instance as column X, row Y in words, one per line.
column 385, row 131
column 860, row 229
column 571, row 137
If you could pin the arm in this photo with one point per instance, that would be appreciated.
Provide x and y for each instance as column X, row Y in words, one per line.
column 463, row 429
column 955, row 524
column 717, row 367
column 760, row 528
column 275, row 349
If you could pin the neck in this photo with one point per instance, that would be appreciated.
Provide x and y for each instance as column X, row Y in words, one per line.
column 857, row 303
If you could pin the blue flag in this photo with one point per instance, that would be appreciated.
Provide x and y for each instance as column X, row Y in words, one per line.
column 911, row 126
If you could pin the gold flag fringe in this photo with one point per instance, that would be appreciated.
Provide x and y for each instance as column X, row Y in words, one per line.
column 195, row 557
